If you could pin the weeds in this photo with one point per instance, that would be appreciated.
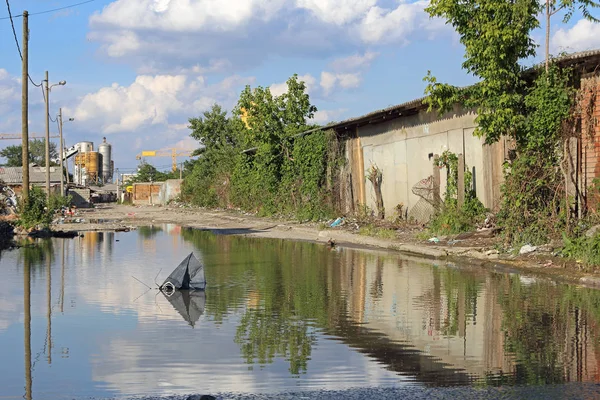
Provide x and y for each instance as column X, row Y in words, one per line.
column 375, row 231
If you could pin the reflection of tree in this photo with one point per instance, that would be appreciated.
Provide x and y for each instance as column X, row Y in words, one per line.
column 36, row 253
column 543, row 325
column 531, row 327
column 285, row 287
column 148, row 232
column 262, row 335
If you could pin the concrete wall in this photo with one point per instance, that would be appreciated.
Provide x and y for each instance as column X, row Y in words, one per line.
column 81, row 197
column 402, row 149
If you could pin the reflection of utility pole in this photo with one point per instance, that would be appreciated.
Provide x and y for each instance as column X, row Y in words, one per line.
column 49, row 312
column 27, row 325
column 25, row 108
column 62, row 278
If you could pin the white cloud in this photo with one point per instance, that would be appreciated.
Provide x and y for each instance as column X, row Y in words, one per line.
column 167, row 33
column 185, row 15
column 154, row 100
column 337, row 12
column 10, row 90
column 353, row 62
column 186, row 144
column 277, row 89
column 384, row 26
column 330, row 81
column 584, row 35
column 326, row 116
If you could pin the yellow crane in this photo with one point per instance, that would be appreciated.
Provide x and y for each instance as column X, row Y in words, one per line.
column 14, row 136
column 174, row 153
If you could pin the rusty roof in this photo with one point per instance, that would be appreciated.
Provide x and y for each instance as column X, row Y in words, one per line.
column 14, row 175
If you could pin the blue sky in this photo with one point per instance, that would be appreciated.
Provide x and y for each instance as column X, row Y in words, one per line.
column 136, row 70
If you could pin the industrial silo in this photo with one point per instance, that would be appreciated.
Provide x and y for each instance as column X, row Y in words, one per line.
column 85, row 147
column 105, row 150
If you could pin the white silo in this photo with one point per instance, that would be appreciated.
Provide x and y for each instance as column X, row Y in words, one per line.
column 85, row 147
column 105, row 149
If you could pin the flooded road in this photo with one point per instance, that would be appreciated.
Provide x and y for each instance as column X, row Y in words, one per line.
column 278, row 316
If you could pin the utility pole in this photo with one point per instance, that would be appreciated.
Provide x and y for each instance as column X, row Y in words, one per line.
column 118, row 186
column 60, row 153
column 25, row 109
column 47, row 90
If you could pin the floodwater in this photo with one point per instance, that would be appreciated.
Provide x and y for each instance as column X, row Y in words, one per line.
column 76, row 322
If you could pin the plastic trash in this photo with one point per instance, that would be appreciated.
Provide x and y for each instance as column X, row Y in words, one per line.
column 433, row 240
column 337, row 222
column 526, row 249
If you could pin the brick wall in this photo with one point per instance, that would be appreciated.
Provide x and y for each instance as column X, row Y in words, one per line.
column 141, row 192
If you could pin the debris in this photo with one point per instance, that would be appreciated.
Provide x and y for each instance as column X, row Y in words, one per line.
column 593, row 231
column 526, row 249
column 433, row 240
column 453, row 241
column 337, row 222
column 189, row 274
column 491, row 252
column 545, row 248
column 331, row 243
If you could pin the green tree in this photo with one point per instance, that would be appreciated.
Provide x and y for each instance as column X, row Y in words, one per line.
column 208, row 183
column 496, row 35
column 37, row 153
column 569, row 6
column 148, row 173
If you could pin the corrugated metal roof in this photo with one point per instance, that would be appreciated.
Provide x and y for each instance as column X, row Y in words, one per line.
column 14, row 175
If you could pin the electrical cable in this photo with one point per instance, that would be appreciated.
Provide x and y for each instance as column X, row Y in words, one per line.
column 48, row 11
column 12, row 24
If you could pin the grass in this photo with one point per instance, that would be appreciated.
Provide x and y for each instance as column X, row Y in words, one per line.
column 375, row 231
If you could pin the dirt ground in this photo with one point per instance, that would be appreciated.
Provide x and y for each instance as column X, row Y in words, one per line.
column 473, row 248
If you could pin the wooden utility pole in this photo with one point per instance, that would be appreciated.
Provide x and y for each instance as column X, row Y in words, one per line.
column 60, row 153
column 25, row 109
column 47, row 91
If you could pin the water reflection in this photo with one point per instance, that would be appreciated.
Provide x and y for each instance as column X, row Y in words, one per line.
column 27, row 325
column 279, row 315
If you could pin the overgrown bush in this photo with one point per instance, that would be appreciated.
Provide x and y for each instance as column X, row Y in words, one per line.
column 583, row 249
column 534, row 207
column 451, row 218
column 39, row 211
column 286, row 173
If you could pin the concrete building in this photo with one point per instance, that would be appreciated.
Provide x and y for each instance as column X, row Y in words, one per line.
column 403, row 140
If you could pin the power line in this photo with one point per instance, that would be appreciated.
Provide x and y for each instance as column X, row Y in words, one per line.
column 12, row 24
column 49, row 11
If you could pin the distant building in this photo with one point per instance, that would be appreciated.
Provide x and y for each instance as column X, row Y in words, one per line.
column 13, row 177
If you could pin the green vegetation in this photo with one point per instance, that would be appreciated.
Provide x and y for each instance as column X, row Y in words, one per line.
column 451, row 218
column 148, row 173
column 287, row 291
column 376, row 231
column 37, row 153
column 538, row 111
column 39, row 211
column 285, row 173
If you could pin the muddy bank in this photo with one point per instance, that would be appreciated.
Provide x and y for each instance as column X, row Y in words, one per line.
column 475, row 249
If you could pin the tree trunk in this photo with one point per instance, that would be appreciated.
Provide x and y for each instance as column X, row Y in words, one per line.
column 547, row 35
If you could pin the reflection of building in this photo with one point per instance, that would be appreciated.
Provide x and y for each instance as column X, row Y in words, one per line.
column 438, row 323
